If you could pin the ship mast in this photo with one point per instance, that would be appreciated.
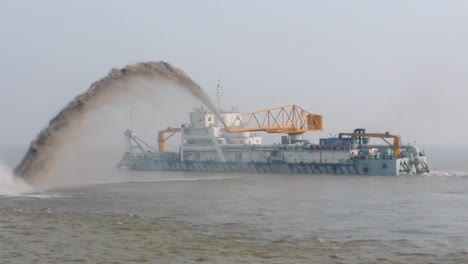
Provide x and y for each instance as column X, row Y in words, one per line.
column 219, row 94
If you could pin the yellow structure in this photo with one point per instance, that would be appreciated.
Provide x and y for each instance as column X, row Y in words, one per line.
column 396, row 139
column 162, row 138
column 290, row 119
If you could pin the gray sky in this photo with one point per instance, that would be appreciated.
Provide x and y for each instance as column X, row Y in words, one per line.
column 398, row 66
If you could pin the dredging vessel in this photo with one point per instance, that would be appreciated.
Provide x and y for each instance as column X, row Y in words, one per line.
column 230, row 142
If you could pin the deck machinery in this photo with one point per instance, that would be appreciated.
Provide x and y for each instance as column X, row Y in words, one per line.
column 230, row 142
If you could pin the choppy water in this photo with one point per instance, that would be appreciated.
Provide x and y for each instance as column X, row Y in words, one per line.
column 241, row 218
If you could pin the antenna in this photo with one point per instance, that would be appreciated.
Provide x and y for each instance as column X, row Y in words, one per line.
column 219, row 94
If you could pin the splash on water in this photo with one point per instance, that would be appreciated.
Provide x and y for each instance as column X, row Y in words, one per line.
column 9, row 184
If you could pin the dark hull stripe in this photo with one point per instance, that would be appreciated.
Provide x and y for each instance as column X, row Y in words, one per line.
column 339, row 169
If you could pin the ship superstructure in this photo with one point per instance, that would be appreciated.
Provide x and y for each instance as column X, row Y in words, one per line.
column 231, row 142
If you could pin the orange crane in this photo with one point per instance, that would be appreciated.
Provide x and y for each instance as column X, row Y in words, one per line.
column 396, row 139
column 290, row 119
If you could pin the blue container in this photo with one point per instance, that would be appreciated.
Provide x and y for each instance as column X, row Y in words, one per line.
column 335, row 141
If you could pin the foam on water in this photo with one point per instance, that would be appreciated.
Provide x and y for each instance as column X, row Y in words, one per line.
column 448, row 173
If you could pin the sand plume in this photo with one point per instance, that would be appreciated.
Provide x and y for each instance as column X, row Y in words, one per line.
column 43, row 150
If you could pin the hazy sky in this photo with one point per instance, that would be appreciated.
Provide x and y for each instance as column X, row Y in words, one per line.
column 399, row 66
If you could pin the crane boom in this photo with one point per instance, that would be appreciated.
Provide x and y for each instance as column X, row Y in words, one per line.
column 396, row 139
column 290, row 119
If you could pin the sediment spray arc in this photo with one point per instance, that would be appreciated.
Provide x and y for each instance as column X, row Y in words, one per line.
column 40, row 154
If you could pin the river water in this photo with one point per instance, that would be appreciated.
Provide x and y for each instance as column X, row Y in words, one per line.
column 155, row 217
